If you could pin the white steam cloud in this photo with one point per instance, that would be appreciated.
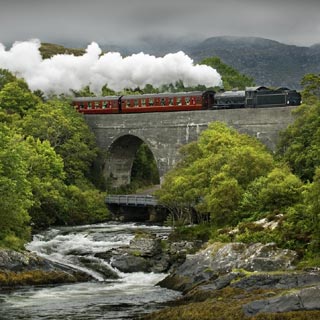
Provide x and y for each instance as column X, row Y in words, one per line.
column 65, row 71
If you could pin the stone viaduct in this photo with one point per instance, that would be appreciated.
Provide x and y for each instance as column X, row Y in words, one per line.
column 120, row 135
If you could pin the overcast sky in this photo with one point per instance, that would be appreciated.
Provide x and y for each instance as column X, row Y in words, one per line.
column 119, row 21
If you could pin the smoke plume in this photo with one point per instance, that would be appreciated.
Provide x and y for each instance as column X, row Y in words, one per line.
column 64, row 72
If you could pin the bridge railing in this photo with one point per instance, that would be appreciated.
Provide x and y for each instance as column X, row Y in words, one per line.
column 132, row 200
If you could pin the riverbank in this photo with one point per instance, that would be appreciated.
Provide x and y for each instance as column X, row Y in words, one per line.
column 25, row 268
column 239, row 281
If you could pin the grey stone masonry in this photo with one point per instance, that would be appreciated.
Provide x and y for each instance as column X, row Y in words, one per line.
column 120, row 135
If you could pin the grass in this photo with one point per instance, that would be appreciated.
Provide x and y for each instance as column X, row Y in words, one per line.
column 34, row 277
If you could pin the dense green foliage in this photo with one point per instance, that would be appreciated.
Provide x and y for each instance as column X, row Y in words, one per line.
column 56, row 122
column 46, row 155
column 231, row 78
column 144, row 170
column 300, row 143
column 15, row 189
column 214, row 173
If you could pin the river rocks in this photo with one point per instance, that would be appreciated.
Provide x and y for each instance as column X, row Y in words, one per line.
column 148, row 253
column 301, row 300
column 146, row 245
column 131, row 263
column 221, row 258
column 237, row 273
column 277, row 280
column 142, row 255
column 96, row 265
column 17, row 261
column 25, row 268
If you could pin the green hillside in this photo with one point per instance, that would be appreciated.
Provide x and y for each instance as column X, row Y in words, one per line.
column 49, row 49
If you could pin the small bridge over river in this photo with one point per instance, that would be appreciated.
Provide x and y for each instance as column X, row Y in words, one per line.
column 136, row 207
column 120, row 135
column 135, row 200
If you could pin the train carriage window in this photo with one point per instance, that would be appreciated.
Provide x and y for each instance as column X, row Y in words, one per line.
column 187, row 99
column 178, row 101
column 136, row 102
column 89, row 105
column 163, row 102
column 143, row 102
column 128, row 103
column 97, row 105
column 171, row 102
column 81, row 105
column 104, row 104
column 150, row 102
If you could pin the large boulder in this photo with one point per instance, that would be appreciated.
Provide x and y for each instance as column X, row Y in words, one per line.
column 300, row 300
column 26, row 268
column 221, row 258
column 21, row 261
column 130, row 263
column 146, row 245
column 149, row 253
column 281, row 280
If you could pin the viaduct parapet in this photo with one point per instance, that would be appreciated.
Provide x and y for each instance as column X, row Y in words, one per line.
column 120, row 135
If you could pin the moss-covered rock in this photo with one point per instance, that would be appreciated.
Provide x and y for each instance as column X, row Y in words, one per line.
column 26, row 268
column 221, row 258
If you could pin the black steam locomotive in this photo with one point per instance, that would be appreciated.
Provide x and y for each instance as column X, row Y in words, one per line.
column 256, row 97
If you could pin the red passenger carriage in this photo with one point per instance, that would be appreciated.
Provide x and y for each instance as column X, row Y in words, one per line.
column 145, row 103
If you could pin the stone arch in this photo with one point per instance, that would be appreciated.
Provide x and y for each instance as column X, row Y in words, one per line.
column 121, row 154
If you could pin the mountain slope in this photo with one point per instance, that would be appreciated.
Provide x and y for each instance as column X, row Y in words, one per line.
column 268, row 62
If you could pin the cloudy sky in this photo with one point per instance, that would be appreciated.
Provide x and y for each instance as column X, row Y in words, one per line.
column 120, row 21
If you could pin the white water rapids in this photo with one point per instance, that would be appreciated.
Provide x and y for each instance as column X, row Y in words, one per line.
column 124, row 298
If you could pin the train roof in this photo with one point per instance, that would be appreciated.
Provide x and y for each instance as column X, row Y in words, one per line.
column 237, row 93
column 259, row 88
column 283, row 89
column 143, row 96
column 96, row 98
column 163, row 95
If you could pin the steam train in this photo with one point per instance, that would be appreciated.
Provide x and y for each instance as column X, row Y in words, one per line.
column 253, row 97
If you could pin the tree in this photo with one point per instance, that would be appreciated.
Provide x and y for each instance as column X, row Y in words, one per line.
column 313, row 211
column 311, row 88
column 65, row 143
column 15, row 190
column 299, row 145
column 83, row 206
column 300, row 225
column 57, row 122
column 46, row 176
column 15, row 97
column 231, row 78
column 144, row 170
column 273, row 193
column 6, row 77
column 214, row 173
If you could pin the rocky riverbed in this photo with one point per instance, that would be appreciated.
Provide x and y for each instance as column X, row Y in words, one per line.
column 218, row 281
column 237, row 281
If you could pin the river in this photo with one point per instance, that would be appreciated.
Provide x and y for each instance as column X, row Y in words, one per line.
column 125, row 298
